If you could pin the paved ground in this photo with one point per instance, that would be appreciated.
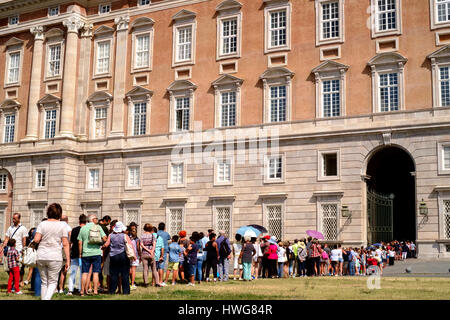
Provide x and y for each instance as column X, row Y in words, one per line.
column 419, row 268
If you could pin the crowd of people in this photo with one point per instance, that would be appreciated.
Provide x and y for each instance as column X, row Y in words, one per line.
column 102, row 256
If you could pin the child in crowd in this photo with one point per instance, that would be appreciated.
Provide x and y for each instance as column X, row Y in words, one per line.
column 13, row 266
column 175, row 252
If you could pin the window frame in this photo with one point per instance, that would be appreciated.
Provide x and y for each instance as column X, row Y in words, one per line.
column 51, row 8
column 320, row 165
column 328, row 197
column 10, row 51
column 127, row 176
column 99, row 186
column 102, row 5
column 176, row 27
column 139, row 95
column 176, row 205
column 440, row 157
column 227, row 84
column 320, row 40
column 230, row 161
column 3, row 117
column 434, row 19
column 51, row 43
column 144, row 5
column 221, row 18
column 37, row 168
column 172, row 185
column 173, row 100
column 12, row 17
column 267, row 178
column 374, row 20
column 222, row 203
column 271, row 7
column 6, row 189
column 274, row 201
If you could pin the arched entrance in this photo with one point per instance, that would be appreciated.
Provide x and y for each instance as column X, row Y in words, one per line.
column 391, row 200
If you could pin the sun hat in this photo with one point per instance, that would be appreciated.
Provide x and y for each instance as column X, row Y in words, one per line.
column 301, row 244
column 119, row 227
column 273, row 240
column 247, row 238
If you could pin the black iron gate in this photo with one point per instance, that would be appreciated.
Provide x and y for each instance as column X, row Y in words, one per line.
column 380, row 215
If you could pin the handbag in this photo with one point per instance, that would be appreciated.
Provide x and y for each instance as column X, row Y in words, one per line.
column 29, row 256
column 129, row 250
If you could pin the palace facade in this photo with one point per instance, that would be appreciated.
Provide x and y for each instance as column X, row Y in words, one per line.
column 331, row 115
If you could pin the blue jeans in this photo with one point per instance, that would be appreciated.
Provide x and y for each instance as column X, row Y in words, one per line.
column 198, row 272
column 36, row 282
column 74, row 267
column 280, row 269
column 224, row 267
column 291, row 267
column 351, row 268
column 302, row 268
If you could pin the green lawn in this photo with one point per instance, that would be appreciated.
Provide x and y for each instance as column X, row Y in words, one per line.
column 327, row 288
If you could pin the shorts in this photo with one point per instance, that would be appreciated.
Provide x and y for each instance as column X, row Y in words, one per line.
column 95, row 261
column 173, row 266
column 190, row 269
column 341, row 259
column 161, row 264
column 236, row 263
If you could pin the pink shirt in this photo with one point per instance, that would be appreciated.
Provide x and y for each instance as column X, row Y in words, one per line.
column 273, row 252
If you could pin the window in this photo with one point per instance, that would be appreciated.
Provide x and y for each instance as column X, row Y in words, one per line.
column 274, row 219
column 134, row 176
column 447, row 219
column 275, row 168
column 142, row 51
column 50, row 124
column 54, row 60
column 184, row 44
column 40, row 178
column 328, row 165
column 13, row 67
column 223, row 219
column 329, row 221
column 278, row 103
column 13, row 20
column 100, row 122
column 104, row 8
column 103, row 57
column 224, row 171
column 140, row 118
column 132, row 211
column 228, row 109
column 388, row 85
column 175, row 220
column 144, row 2
column 37, row 214
column 446, row 157
column 94, row 179
column 182, row 114
column 53, row 11
column 229, row 36
column 331, row 98
column 444, row 85
column 277, row 26
column 330, row 20
column 177, row 174
column 443, row 10
column 10, row 122
column 3, row 183
column 386, row 15
column 229, row 31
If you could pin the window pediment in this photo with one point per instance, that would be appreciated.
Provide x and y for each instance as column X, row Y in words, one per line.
column 443, row 52
column 387, row 58
column 184, row 15
column 54, row 33
column 229, row 5
column 14, row 42
column 100, row 96
column 142, row 22
column 277, row 72
column 181, row 85
column 9, row 103
column 227, row 80
column 330, row 66
column 49, row 99
column 103, row 30
column 138, row 91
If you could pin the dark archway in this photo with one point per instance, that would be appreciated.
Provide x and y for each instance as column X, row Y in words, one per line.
column 391, row 171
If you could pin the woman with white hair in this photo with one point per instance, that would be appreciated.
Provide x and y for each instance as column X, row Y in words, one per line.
column 119, row 262
column 246, row 255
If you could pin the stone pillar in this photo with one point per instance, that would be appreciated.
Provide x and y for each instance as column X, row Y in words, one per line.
column 35, row 84
column 70, row 77
column 83, row 83
column 119, row 76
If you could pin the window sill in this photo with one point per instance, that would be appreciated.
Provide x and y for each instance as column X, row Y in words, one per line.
column 101, row 76
column 378, row 34
column 133, row 188
column 176, row 186
column 274, row 181
column 329, row 178
column 11, row 85
column 329, row 41
column 93, row 190
column 228, row 56
column 138, row 70
column 39, row 190
column 276, row 49
column 183, row 63
column 222, row 184
column 53, row 78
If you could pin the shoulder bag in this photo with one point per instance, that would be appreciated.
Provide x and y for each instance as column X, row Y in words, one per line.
column 129, row 250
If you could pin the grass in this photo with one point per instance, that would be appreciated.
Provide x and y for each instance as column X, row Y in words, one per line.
column 326, row 288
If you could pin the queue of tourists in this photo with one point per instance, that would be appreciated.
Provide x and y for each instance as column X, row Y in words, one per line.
column 102, row 256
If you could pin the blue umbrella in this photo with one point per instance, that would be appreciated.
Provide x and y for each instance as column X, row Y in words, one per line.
column 376, row 244
column 243, row 229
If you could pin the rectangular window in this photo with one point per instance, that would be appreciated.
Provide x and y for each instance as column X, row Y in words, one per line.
column 329, row 161
column 229, row 36
column 228, row 109
column 10, row 122
column 177, row 174
column 386, row 15
column 443, row 10
column 223, row 219
column 275, row 168
column 104, row 8
column 331, row 98
column 40, row 178
column 50, row 124
column 13, row 67
column 389, row 90
column 54, row 60
column 182, row 114
column 142, row 51
column 36, row 217
column 330, row 20
column 329, row 221
column 446, row 157
column 13, row 20
column 278, row 103
column 53, row 11
column 140, row 119
column 223, row 171
column 103, row 50
column 274, row 219
column 184, row 43
column 444, row 79
column 3, row 182
column 134, row 176
column 131, row 215
column 278, row 28
column 144, row 2
column 93, row 179
column 100, row 122
column 175, row 220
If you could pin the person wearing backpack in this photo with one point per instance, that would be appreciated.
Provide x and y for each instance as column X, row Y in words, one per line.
column 90, row 240
column 224, row 255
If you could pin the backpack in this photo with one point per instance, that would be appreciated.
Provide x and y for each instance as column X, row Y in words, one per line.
column 324, row 255
column 95, row 236
column 224, row 250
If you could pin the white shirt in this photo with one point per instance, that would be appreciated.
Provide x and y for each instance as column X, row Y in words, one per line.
column 281, row 254
column 336, row 254
column 18, row 236
column 51, row 244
